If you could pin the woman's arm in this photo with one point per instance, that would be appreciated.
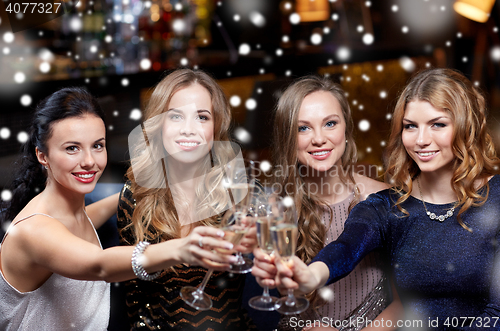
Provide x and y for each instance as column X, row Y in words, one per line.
column 43, row 242
column 100, row 211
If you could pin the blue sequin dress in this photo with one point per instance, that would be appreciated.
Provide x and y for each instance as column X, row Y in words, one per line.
column 443, row 273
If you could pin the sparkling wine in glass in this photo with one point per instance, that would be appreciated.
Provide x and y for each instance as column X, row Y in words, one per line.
column 241, row 186
column 265, row 219
column 234, row 230
column 284, row 234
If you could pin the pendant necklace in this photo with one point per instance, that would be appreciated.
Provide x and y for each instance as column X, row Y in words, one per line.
column 433, row 216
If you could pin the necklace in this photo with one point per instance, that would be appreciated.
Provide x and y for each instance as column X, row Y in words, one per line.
column 433, row 216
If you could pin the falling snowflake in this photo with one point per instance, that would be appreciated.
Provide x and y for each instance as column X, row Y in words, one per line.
column 145, row 64
column 288, row 201
column 22, row 137
column 265, row 166
column 257, row 19
column 294, row 18
column 235, row 101
column 364, row 125
column 326, row 294
column 242, row 135
column 6, row 195
column 19, row 77
column 251, row 104
column 343, row 53
column 495, row 53
column 4, row 133
column 135, row 114
column 44, row 67
column 25, row 100
column 368, row 39
column 316, row 39
column 383, row 94
column 8, row 37
column 244, row 49
column 407, row 64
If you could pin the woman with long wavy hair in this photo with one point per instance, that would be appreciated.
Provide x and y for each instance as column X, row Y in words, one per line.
column 175, row 184
column 314, row 157
column 438, row 225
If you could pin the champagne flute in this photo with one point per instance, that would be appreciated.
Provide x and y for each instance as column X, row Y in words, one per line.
column 267, row 214
column 240, row 182
column 234, row 230
column 284, row 234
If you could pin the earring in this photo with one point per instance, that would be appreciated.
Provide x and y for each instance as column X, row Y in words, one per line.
column 346, row 141
column 46, row 168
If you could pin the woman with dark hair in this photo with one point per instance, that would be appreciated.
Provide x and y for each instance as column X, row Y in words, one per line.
column 174, row 186
column 53, row 268
column 438, row 225
column 314, row 155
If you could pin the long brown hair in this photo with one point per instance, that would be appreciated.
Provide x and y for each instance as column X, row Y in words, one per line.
column 473, row 148
column 310, row 208
column 155, row 217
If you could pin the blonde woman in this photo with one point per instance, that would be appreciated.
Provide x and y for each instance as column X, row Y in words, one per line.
column 314, row 157
column 439, row 224
column 174, row 185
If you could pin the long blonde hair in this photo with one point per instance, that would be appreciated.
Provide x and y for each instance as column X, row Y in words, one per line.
column 155, row 217
column 310, row 208
column 473, row 148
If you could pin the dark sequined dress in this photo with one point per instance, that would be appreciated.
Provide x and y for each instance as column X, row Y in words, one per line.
column 442, row 272
column 156, row 305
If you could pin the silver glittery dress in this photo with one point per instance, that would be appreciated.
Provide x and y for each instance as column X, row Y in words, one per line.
column 59, row 304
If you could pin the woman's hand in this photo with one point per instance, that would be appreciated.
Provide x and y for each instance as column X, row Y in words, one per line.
column 264, row 269
column 249, row 241
column 205, row 247
column 296, row 275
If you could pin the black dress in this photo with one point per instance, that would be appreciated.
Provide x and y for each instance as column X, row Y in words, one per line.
column 156, row 305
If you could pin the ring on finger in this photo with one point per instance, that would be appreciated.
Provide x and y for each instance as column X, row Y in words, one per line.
column 200, row 243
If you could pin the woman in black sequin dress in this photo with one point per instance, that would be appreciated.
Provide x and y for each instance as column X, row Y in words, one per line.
column 174, row 186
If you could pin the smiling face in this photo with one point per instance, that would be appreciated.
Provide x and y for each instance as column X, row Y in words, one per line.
column 188, row 124
column 321, row 136
column 76, row 153
column 428, row 136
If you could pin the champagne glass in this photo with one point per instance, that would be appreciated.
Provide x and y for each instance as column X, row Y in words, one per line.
column 267, row 213
column 284, row 234
column 234, row 227
column 240, row 183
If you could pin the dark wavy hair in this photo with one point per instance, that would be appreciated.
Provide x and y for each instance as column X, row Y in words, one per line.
column 30, row 177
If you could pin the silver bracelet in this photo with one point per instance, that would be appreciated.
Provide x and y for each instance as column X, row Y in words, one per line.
column 137, row 266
